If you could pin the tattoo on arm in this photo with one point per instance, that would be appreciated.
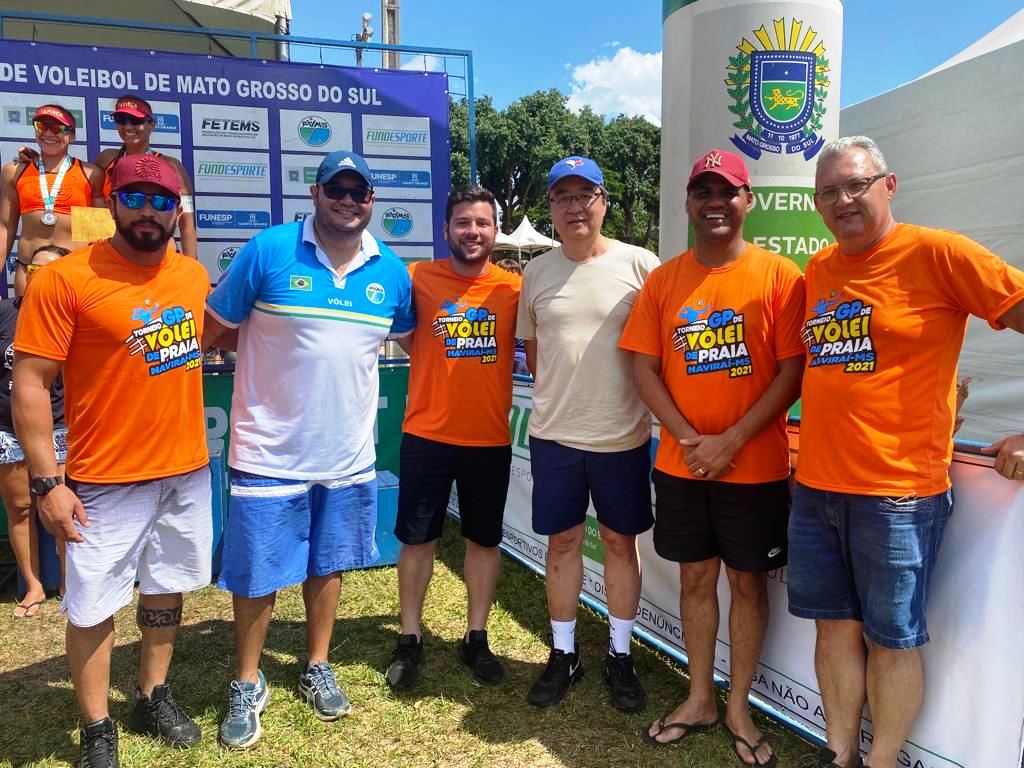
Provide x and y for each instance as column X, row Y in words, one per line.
column 156, row 618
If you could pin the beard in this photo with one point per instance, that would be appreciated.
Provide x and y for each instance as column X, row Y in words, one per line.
column 147, row 242
column 459, row 253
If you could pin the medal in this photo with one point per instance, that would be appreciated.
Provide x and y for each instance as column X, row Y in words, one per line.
column 48, row 194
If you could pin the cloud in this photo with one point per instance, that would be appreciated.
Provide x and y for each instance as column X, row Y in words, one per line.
column 629, row 83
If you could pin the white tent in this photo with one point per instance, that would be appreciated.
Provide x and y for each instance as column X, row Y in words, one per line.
column 525, row 238
column 954, row 140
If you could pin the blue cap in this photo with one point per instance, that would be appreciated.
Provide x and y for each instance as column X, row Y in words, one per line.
column 336, row 162
column 583, row 167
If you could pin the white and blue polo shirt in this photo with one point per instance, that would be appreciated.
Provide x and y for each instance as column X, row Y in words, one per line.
column 306, row 381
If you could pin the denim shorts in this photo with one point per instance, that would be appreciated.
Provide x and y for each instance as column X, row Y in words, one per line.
column 11, row 452
column 867, row 559
column 565, row 480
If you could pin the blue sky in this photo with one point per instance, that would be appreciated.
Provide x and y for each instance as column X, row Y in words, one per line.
column 607, row 52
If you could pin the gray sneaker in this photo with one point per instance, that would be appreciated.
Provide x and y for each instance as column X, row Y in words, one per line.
column 241, row 728
column 318, row 686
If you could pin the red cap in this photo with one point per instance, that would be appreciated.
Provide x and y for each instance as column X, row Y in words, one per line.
column 131, row 106
column 725, row 164
column 55, row 112
column 145, row 169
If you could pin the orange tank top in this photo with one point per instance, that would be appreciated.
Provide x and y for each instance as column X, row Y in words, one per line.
column 108, row 172
column 75, row 189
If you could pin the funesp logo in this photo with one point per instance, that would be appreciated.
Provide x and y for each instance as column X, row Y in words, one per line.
column 314, row 131
column 397, row 222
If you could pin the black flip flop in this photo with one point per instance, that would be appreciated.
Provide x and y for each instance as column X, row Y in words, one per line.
column 26, row 607
column 687, row 728
column 737, row 740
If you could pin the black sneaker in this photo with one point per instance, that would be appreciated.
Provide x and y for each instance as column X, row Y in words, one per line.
column 563, row 670
column 826, row 759
column 477, row 656
column 99, row 745
column 159, row 715
column 626, row 692
column 404, row 662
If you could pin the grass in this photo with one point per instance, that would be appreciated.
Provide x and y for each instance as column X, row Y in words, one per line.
column 447, row 720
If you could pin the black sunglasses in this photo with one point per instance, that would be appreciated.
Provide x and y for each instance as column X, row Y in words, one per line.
column 128, row 120
column 338, row 192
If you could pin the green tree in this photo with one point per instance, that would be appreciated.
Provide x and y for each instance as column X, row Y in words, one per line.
column 630, row 156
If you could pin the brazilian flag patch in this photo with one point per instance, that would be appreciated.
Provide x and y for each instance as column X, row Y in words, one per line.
column 300, row 283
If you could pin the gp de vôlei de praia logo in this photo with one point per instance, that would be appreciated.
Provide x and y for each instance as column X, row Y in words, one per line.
column 779, row 91
column 314, row 131
column 467, row 331
column 712, row 341
column 840, row 334
column 167, row 339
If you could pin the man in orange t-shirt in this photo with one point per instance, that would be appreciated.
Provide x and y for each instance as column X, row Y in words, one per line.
column 887, row 308
column 456, row 427
column 718, row 359
column 123, row 318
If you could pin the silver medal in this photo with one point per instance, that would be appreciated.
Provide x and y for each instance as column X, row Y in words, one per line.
column 49, row 194
column 49, row 218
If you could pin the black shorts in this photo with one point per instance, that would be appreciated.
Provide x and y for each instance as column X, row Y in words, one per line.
column 427, row 470
column 744, row 524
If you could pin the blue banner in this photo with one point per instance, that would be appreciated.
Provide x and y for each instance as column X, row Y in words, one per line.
column 251, row 133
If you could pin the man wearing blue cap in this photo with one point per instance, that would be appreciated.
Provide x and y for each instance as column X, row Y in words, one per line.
column 312, row 301
column 589, row 431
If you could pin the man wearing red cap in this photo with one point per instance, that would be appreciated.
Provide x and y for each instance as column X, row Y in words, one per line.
column 40, row 188
column 135, row 124
column 719, row 361
column 123, row 318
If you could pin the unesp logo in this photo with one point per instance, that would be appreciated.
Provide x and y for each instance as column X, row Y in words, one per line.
column 375, row 293
column 314, row 131
column 779, row 91
column 226, row 257
column 397, row 222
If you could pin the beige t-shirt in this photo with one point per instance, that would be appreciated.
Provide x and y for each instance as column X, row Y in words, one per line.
column 584, row 395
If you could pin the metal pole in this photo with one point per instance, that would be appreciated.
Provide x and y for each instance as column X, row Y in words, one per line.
column 473, row 176
column 281, row 27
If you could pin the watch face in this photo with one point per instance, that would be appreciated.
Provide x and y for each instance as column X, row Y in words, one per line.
column 42, row 485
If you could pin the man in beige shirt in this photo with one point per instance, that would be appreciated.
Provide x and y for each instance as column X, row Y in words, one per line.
column 589, row 431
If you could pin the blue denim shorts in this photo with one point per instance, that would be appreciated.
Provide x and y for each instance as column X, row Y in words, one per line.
column 281, row 532
column 566, row 479
column 11, row 452
column 867, row 559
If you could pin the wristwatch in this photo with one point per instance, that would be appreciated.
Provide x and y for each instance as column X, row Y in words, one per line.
column 40, row 486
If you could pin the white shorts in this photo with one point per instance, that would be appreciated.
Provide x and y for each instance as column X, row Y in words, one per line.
column 158, row 532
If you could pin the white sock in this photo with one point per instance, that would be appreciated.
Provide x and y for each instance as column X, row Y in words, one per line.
column 563, row 635
column 619, row 631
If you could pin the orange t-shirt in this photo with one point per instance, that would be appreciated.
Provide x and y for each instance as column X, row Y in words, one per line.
column 460, row 377
column 883, row 332
column 75, row 189
column 129, row 337
column 719, row 334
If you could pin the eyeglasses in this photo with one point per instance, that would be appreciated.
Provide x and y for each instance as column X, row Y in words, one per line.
column 586, row 199
column 136, row 200
column 128, row 119
column 358, row 194
column 57, row 129
column 854, row 188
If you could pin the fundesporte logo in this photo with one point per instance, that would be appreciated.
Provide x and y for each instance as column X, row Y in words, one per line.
column 778, row 87
column 314, row 131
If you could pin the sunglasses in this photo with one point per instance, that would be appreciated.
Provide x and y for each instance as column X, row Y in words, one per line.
column 136, row 200
column 358, row 194
column 128, row 119
column 57, row 129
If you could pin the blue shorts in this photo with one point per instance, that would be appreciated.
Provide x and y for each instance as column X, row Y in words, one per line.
column 867, row 559
column 566, row 479
column 281, row 532
column 12, row 453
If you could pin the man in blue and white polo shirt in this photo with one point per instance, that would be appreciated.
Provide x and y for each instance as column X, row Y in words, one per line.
column 312, row 302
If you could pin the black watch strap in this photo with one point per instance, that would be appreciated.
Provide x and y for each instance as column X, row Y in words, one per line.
column 40, row 486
